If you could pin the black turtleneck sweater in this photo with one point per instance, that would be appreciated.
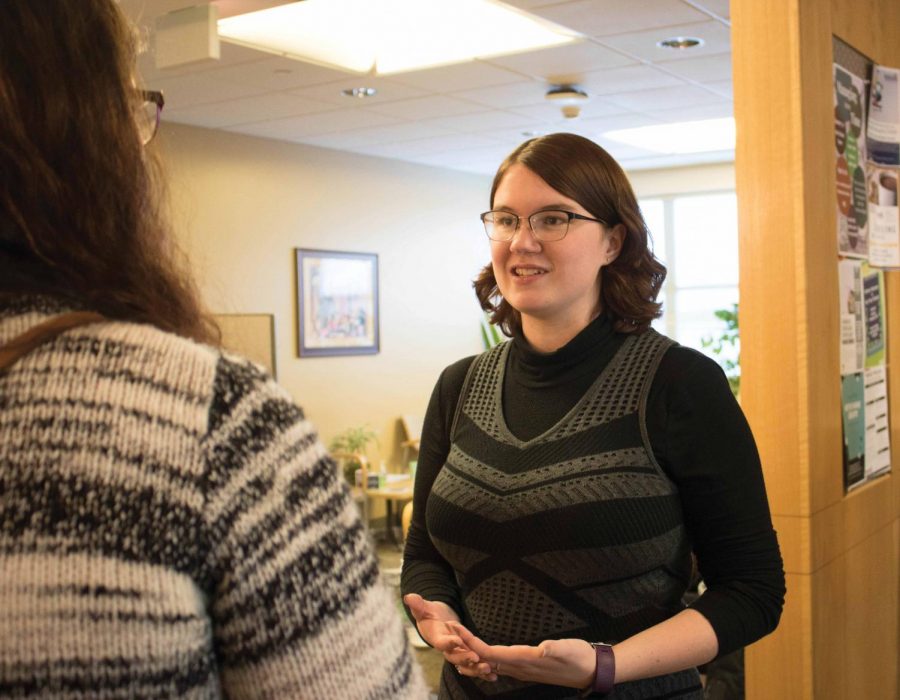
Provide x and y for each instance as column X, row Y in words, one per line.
column 698, row 435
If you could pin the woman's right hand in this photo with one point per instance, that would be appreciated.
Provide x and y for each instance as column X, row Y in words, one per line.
column 432, row 618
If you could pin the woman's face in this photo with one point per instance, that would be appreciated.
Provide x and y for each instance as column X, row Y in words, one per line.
column 553, row 282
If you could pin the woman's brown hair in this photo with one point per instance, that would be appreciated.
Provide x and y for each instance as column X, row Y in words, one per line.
column 81, row 213
column 581, row 170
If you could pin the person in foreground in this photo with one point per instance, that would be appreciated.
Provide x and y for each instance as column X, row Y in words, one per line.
column 566, row 477
column 170, row 524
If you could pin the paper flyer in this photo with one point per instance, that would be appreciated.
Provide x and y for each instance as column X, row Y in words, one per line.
column 850, row 159
column 884, row 217
column 873, row 315
column 851, row 305
column 878, row 434
column 884, row 116
column 854, row 429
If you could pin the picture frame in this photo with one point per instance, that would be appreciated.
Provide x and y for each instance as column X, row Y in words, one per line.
column 250, row 335
column 337, row 303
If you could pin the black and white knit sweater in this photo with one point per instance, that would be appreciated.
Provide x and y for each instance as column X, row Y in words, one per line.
column 170, row 526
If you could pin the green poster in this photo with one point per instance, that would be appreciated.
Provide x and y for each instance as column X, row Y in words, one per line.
column 854, row 424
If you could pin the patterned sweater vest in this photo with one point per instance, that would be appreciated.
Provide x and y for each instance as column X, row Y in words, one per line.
column 575, row 533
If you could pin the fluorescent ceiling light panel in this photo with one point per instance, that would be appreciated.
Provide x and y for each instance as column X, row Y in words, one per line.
column 681, row 137
column 392, row 36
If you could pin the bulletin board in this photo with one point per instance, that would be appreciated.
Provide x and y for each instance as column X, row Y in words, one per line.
column 868, row 242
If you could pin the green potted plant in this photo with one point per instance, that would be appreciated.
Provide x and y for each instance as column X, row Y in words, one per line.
column 724, row 345
column 350, row 443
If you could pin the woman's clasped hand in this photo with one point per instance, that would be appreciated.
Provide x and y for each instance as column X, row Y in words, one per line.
column 565, row 662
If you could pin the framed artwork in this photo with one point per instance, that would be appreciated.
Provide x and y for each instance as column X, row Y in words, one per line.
column 250, row 335
column 337, row 303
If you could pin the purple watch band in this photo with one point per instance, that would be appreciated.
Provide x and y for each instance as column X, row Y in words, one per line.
column 605, row 673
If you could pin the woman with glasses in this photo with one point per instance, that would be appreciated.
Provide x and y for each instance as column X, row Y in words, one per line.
column 170, row 524
column 566, row 477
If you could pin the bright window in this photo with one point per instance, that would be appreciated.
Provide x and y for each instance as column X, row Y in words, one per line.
column 695, row 236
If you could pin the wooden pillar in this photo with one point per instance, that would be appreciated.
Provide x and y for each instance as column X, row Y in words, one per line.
column 838, row 637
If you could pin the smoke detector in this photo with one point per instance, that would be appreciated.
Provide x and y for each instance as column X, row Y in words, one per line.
column 569, row 98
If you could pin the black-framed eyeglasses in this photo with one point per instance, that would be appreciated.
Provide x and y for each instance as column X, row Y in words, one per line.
column 547, row 225
column 152, row 103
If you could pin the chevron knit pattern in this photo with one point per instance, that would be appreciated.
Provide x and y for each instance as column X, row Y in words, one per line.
column 575, row 533
column 171, row 527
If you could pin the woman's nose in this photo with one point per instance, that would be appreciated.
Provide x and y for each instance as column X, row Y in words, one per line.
column 524, row 239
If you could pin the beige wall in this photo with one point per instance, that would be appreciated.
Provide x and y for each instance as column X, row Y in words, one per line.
column 698, row 178
column 241, row 205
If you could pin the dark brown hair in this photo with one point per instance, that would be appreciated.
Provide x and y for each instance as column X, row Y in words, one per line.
column 81, row 213
column 581, row 170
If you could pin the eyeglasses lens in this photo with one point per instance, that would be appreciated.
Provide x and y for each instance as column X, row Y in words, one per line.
column 546, row 225
column 148, row 121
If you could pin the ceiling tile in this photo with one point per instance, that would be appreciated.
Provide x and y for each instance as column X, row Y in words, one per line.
column 482, row 121
column 387, row 91
column 722, row 87
column 595, row 128
column 714, row 110
column 716, row 37
column 468, row 116
column 529, row 92
column 229, row 55
column 616, row 80
column 188, row 90
column 563, row 64
column 702, row 69
column 530, row 4
column 664, row 98
column 459, row 76
column 429, row 107
column 619, row 16
column 274, row 105
column 297, row 128
column 622, row 151
column 550, row 113
column 677, row 160
column 716, row 7
column 280, row 73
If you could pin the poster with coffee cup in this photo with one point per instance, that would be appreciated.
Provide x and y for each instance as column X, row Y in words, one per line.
column 850, row 160
column 884, row 116
column 884, row 217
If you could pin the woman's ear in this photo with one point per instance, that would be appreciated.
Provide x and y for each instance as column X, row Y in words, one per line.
column 615, row 238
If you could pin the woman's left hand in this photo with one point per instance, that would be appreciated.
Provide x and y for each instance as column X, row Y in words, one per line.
column 566, row 662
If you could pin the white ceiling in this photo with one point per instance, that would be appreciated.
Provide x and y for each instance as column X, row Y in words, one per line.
column 468, row 116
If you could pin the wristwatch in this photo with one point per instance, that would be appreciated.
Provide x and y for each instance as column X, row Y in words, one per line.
column 605, row 673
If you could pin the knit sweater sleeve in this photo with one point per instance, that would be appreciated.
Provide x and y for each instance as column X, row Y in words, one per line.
column 296, row 603
column 702, row 440
column 425, row 571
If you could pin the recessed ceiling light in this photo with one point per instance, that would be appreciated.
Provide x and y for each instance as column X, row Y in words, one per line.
column 392, row 36
column 680, row 43
column 359, row 92
column 681, row 137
